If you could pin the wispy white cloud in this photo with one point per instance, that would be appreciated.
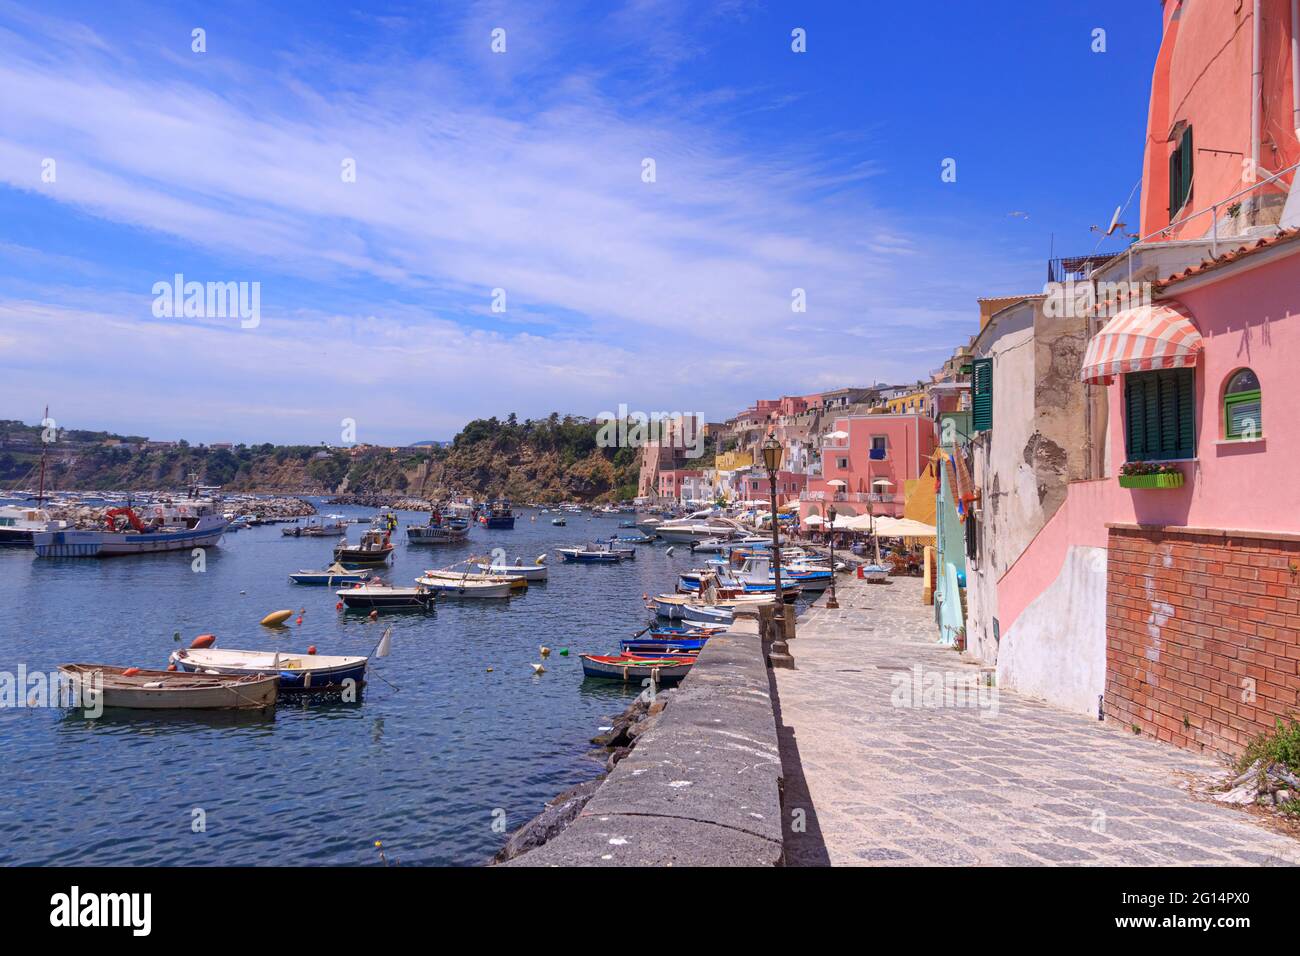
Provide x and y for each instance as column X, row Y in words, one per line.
column 618, row 290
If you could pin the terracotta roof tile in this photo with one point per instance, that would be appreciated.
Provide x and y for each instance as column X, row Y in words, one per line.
column 1241, row 252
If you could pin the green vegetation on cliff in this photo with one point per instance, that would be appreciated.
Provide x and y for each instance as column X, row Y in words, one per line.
column 551, row 459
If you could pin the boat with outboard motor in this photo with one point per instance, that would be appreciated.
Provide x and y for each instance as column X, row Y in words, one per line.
column 311, row 673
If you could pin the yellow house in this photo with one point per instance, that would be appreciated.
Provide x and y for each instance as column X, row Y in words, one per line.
column 906, row 404
column 731, row 460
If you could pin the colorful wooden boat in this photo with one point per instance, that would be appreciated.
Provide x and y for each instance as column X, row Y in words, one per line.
column 635, row 669
column 334, row 575
column 529, row 572
column 135, row 689
column 462, row 587
column 376, row 547
column 516, row 582
column 297, row 672
column 378, row 596
column 641, row 647
column 588, row 555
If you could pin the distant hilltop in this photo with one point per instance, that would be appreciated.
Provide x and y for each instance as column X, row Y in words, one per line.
column 554, row 458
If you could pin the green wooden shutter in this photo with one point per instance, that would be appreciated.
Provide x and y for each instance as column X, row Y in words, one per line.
column 1160, row 415
column 1175, row 167
column 982, row 395
column 1135, row 417
column 1185, row 174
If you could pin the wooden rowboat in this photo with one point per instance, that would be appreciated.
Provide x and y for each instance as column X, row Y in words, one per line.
column 635, row 669
column 311, row 673
column 173, row 690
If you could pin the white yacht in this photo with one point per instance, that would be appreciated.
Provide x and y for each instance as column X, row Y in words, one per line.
column 19, row 522
column 700, row 526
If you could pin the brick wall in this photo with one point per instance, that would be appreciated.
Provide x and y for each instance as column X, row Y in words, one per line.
column 1202, row 635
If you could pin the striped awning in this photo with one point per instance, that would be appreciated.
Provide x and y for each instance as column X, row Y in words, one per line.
column 1148, row 337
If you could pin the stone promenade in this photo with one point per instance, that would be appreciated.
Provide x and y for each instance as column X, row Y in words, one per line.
column 888, row 771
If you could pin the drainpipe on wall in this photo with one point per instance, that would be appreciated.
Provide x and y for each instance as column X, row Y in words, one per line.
column 1256, row 88
column 1295, row 67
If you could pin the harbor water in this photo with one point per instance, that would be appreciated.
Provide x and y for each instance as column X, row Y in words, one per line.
column 454, row 743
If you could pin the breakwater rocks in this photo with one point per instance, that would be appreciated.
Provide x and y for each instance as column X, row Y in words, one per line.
column 376, row 500
column 85, row 517
column 615, row 743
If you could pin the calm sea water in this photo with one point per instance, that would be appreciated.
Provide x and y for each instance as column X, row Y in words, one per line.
column 438, row 748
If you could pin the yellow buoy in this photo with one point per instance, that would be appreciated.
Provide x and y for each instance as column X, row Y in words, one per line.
column 276, row 618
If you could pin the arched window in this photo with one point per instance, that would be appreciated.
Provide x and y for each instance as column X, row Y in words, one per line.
column 1242, row 406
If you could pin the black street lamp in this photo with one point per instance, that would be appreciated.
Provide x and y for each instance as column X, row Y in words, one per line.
column 779, row 654
column 830, row 515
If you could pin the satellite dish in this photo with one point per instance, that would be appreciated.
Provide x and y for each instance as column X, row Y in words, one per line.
column 1114, row 221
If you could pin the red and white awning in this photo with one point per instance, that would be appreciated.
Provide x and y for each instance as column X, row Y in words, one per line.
column 1141, row 339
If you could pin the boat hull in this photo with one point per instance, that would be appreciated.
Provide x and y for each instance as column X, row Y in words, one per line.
column 296, row 673
column 189, row 693
column 107, row 544
column 634, row 671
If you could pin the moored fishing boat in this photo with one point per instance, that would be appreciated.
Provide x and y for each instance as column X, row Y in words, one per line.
column 296, row 672
column 464, row 588
column 498, row 515
column 588, row 554
column 136, row 689
column 531, row 573
column 379, row 596
column 375, row 547
column 188, row 528
column 635, row 669
column 516, row 582
column 334, row 574
column 317, row 526
column 442, row 528
column 640, row 647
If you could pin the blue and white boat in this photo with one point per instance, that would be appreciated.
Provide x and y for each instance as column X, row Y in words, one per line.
column 334, row 574
column 298, row 672
column 172, row 528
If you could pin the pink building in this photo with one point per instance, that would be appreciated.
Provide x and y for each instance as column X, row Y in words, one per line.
column 753, row 485
column 673, row 482
column 1172, row 598
column 866, row 462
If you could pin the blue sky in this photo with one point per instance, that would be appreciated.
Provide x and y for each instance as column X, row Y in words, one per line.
column 522, row 171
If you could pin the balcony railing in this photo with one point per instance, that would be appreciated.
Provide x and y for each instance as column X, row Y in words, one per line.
column 848, row 497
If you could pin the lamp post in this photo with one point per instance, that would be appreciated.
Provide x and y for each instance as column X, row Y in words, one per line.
column 772, row 453
column 830, row 514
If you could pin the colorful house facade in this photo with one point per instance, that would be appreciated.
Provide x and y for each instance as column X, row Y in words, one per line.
column 867, row 461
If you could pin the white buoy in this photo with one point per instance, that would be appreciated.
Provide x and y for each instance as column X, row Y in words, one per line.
column 538, row 669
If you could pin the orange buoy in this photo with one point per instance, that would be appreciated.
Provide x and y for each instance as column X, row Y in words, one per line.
column 311, row 649
column 339, row 606
column 374, row 615
column 298, row 620
column 171, row 667
column 204, row 640
column 130, row 672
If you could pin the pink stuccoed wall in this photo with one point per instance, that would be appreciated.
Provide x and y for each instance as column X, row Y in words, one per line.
column 1248, row 318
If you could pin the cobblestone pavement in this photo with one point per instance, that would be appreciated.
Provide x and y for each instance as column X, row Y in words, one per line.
column 1014, row 782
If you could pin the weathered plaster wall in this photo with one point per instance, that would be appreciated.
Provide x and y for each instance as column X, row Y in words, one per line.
column 1056, row 647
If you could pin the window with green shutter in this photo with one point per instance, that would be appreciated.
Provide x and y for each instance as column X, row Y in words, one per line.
column 982, row 395
column 1180, row 173
column 1160, row 415
column 1243, row 407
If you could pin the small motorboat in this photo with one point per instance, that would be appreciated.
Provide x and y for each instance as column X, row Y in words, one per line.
column 443, row 528
column 629, row 669
column 297, row 672
column 464, row 587
column 678, row 632
column 529, row 572
column 517, row 582
column 376, row 547
column 589, row 555
column 331, row 576
column 380, row 596
column 640, row 647
column 559, row 522
column 875, row 573
column 135, row 689
column 317, row 526
column 708, row 614
column 498, row 516
column 631, row 539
